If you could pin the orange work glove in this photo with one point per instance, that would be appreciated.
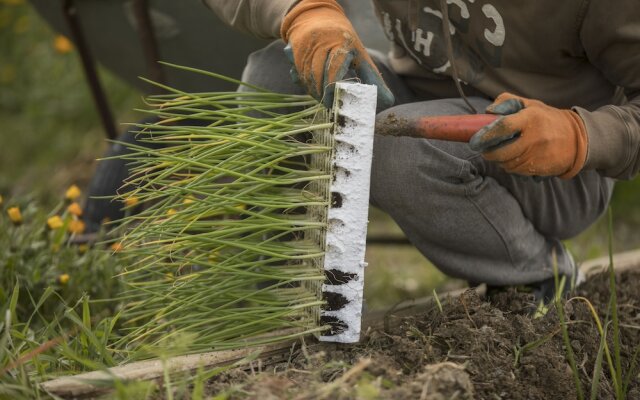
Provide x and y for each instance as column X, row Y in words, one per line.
column 533, row 138
column 323, row 46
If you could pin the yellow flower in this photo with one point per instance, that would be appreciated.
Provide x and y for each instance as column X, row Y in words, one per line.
column 15, row 215
column 171, row 211
column 21, row 25
column 131, row 201
column 76, row 226
column 116, row 247
column 188, row 200
column 241, row 207
column 83, row 248
column 75, row 209
column 72, row 193
column 7, row 72
column 63, row 279
column 54, row 222
column 62, row 44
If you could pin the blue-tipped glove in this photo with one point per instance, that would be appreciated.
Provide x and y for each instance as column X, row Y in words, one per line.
column 324, row 47
column 533, row 138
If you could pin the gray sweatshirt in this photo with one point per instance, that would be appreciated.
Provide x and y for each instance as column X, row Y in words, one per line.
column 580, row 54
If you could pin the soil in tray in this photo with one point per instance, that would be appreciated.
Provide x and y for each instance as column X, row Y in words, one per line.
column 473, row 349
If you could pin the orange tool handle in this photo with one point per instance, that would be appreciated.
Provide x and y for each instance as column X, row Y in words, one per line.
column 456, row 128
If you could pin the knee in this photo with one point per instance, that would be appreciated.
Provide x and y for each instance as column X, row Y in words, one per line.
column 410, row 171
column 425, row 167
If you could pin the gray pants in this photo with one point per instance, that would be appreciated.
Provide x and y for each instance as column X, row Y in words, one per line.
column 467, row 216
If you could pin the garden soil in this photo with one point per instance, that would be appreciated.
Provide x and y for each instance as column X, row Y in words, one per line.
column 471, row 349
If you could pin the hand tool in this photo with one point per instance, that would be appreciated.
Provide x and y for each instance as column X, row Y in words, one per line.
column 457, row 128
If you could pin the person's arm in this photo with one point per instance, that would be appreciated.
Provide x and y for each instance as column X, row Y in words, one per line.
column 261, row 18
column 533, row 138
column 322, row 44
column 611, row 37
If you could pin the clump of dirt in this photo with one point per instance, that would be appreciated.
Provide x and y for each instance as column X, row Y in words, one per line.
column 472, row 349
column 393, row 124
column 441, row 381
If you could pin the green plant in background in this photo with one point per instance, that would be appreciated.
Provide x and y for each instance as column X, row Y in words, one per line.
column 228, row 249
column 37, row 256
column 50, row 130
column 48, row 325
column 620, row 377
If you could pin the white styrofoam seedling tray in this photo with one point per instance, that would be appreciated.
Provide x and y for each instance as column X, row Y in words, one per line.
column 354, row 113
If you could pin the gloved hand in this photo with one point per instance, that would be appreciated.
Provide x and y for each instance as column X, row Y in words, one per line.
column 323, row 46
column 533, row 138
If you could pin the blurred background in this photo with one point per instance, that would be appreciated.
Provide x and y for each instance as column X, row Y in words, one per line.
column 51, row 133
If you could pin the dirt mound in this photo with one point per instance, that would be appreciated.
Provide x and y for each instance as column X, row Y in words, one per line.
column 472, row 349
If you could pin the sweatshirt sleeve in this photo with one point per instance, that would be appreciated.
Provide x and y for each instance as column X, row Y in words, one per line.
column 261, row 18
column 610, row 35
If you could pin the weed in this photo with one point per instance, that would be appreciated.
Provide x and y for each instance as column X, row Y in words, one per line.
column 519, row 351
column 437, row 300
column 620, row 381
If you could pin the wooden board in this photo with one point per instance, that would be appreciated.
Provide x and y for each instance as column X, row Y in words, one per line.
column 621, row 262
column 90, row 383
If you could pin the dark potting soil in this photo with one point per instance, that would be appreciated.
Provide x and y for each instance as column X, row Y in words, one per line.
column 473, row 349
